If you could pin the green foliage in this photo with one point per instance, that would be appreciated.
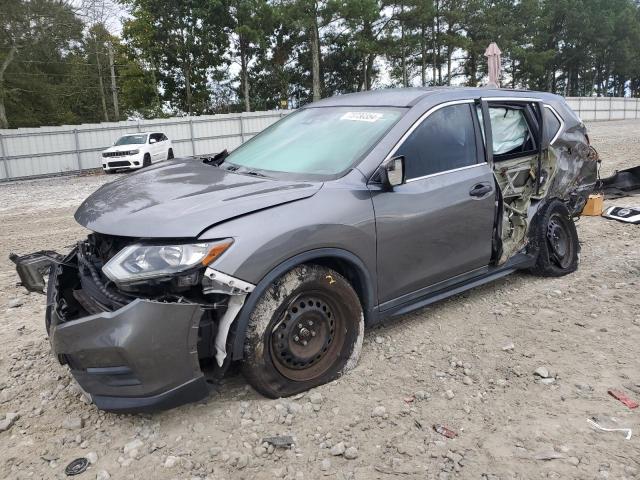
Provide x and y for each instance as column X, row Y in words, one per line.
column 185, row 41
column 34, row 40
column 206, row 56
column 275, row 77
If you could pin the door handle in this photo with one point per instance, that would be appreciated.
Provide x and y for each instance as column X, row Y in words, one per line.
column 480, row 190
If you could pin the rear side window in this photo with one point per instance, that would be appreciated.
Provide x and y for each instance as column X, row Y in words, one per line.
column 551, row 124
column 445, row 140
column 511, row 132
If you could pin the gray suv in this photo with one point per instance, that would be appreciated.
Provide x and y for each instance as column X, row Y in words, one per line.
column 277, row 255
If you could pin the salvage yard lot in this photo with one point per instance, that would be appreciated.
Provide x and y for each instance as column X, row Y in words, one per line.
column 467, row 362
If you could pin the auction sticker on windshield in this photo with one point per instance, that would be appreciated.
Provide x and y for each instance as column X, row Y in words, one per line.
column 362, row 116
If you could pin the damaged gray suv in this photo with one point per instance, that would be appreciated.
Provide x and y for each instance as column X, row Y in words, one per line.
column 277, row 255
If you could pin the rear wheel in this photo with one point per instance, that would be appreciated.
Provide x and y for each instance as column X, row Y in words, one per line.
column 556, row 240
column 146, row 161
column 305, row 330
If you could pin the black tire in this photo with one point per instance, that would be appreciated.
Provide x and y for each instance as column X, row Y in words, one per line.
column 306, row 330
column 109, row 172
column 170, row 154
column 555, row 239
column 146, row 160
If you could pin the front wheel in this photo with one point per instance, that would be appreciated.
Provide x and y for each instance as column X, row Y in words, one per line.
column 556, row 240
column 170, row 154
column 146, row 161
column 306, row 330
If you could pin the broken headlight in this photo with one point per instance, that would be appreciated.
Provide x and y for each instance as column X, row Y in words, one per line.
column 142, row 262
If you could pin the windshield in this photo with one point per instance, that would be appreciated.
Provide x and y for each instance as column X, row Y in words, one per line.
column 316, row 141
column 132, row 140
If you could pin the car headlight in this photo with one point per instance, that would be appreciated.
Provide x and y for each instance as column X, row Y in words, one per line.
column 140, row 262
column 134, row 152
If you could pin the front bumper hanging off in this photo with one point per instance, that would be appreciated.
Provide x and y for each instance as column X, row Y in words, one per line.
column 140, row 357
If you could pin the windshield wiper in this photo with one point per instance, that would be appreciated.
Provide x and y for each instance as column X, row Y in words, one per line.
column 254, row 173
column 217, row 159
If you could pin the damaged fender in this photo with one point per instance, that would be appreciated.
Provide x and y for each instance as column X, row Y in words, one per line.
column 237, row 290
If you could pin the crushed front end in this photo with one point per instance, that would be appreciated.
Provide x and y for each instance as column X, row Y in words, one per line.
column 139, row 341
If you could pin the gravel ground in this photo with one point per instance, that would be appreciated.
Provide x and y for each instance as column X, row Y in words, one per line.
column 467, row 362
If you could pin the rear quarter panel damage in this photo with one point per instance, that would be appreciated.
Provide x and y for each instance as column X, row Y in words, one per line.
column 576, row 164
column 573, row 180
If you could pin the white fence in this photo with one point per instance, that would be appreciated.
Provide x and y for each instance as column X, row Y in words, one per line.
column 28, row 152
column 592, row 109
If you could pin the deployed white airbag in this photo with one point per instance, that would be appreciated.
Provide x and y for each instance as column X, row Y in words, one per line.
column 508, row 128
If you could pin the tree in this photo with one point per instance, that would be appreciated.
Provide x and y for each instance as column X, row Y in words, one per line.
column 419, row 23
column 206, row 56
column 34, row 40
column 187, row 41
column 407, row 42
column 251, row 20
column 305, row 15
column 362, row 25
column 276, row 79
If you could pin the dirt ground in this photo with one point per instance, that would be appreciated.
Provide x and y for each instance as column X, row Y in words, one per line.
column 467, row 362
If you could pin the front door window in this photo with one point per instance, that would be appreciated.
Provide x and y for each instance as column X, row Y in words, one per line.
column 444, row 141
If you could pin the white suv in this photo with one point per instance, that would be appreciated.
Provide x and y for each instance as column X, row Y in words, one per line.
column 136, row 151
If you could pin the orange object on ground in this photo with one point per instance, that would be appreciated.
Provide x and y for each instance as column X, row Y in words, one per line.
column 594, row 205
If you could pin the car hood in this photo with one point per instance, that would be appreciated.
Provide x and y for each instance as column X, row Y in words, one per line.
column 124, row 148
column 181, row 199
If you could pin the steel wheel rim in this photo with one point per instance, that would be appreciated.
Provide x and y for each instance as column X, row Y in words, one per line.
column 561, row 250
column 309, row 336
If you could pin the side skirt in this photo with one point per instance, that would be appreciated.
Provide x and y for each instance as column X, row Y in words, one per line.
column 517, row 262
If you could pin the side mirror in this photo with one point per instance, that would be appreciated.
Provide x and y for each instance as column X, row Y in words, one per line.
column 393, row 172
column 152, row 140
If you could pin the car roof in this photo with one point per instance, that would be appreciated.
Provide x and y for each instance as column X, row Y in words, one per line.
column 408, row 97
